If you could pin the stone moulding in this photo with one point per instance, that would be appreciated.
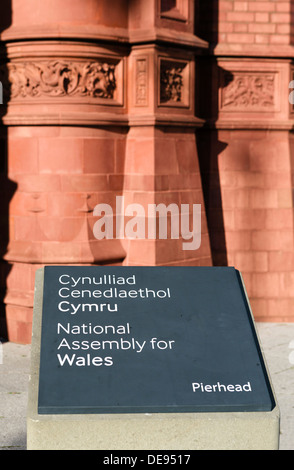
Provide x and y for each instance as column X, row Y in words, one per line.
column 251, row 96
column 72, row 83
column 63, row 84
column 61, row 73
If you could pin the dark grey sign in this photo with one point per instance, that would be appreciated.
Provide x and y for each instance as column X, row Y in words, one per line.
column 149, row 339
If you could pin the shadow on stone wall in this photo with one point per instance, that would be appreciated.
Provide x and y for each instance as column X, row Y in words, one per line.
column 209, row 147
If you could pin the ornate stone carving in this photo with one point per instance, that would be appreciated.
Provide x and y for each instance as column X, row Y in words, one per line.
column 248, row 91
column 291, row 93
column 171, row 82
column 141, row 82
column 57, row 78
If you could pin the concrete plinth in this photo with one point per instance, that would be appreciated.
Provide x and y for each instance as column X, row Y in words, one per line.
column 156, row 431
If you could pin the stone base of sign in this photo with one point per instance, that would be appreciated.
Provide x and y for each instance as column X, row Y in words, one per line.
column 156, row 431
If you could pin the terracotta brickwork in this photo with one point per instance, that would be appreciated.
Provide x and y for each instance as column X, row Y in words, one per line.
column 158, row 102
column 255, row 22
column 248, row 183
column 255, row 167
column 258, row 218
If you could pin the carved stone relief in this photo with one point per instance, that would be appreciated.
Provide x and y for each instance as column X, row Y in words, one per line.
column 244, row 91
column 173, row 83
column 141, row 82
column 291, row 93
column 58, row 78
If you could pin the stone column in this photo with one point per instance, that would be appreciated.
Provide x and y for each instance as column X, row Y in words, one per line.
column 99, row 103
column 63, row 68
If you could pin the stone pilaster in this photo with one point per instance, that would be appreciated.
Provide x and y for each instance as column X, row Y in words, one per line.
column 161, row 165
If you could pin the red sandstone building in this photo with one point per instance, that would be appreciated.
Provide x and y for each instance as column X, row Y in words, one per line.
column 161, row 101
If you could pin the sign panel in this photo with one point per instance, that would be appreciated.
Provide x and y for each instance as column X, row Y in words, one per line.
column 148, row 340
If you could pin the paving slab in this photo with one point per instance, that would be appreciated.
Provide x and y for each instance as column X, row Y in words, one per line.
column 14, row 375
column 277, row 341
